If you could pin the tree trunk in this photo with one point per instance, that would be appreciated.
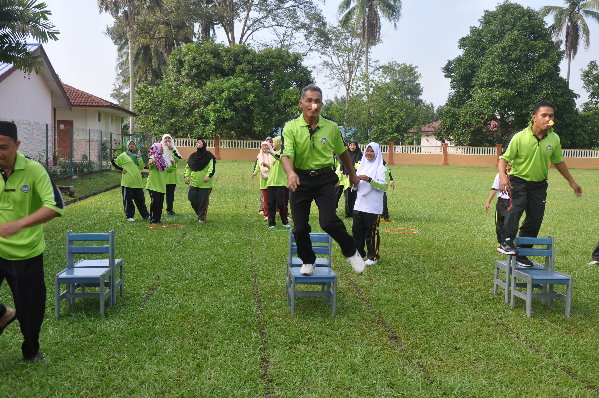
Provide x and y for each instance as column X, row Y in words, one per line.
column 131, row 80
column 569, row 60
column 367, row 47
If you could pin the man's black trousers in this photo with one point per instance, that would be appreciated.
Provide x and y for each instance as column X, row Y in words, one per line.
column 26, row 281
column 320, row 189
column 529, row 197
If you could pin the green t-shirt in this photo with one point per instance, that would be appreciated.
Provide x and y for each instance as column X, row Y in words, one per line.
column 196, row 178
column 312, row 151
column 156, row 180
column 277, row 176
column 26, row 190
column 132, row 177
column 530, row 156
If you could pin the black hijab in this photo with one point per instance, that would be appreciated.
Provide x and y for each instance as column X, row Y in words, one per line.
column 200, row 158
column 355, row 156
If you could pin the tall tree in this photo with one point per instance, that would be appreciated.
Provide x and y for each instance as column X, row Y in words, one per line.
column 365, row 17
column 213, row 89
column 19, row 20
column 127, row 10
column 569, row 24
column 508, row 63
column 342, row 51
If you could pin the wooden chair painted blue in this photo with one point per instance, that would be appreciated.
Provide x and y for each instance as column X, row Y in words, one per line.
column 105, row 274
column 503, row 276
column 538, row 276
column 323, row 275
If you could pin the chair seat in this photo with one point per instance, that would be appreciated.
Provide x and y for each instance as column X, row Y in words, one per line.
column 320, row 262
column 320, row 275
column 543, row 276
column 75, row 275
column 103, row 262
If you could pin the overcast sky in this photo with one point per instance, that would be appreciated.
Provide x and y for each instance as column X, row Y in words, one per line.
column 426, row 36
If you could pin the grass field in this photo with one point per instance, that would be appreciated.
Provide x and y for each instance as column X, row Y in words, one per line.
column 205, row 313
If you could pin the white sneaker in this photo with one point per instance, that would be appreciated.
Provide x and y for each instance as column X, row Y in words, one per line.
column 357, row 263
column 287, row 225
column 307, row 269
column 131, row 219
column 594, row 262
column 370, row 262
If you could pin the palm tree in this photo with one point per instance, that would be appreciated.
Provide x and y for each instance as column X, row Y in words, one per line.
column 128, row 10
column 364, row 16
column 20, row 19
column 570, row 25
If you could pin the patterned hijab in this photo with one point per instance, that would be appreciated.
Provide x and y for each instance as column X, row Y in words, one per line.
column 157, row 156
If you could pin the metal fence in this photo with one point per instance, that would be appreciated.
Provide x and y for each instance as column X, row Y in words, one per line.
column 69, row 151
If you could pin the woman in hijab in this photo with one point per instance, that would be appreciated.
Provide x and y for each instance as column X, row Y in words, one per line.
column 198, row 174
column 264, row 161
column 129, row 163
column 171, row 155
column 156, row 184
column 374, row 180
column 355, row 154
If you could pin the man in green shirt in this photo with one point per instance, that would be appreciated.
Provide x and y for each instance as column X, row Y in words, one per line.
column 530, row 151
column 309, row 144
column 130, row 164
column 28, row 198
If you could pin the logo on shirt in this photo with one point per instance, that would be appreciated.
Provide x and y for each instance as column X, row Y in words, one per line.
column 25, row 188
column 323, row 140
column 549, row 147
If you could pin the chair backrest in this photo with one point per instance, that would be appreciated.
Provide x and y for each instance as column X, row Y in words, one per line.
column 322, row 244
column 523, row 245
column 73, row 248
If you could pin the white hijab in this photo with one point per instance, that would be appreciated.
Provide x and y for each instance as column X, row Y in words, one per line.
column 373, row 169
column 168, row 153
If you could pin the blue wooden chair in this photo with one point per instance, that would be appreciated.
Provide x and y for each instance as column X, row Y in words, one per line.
column 323, row 275
column 103, row 275
column 538, row 276
column 503, row 276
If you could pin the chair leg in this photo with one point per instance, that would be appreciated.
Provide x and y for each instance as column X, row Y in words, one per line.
column 529, row 299
column 102, row 297
column 56, row 298
column 292, row 291
column 550, row 299
column 512, row 298
column 495, row 285
column 568, row 298
column 508, row 276
column 334, row 298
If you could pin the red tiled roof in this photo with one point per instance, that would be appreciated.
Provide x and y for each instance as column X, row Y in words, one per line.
column 429, row 128
column 79, row 98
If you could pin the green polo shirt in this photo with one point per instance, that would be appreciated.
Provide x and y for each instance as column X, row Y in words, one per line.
column 132, row 177
column 196, row 178
column 156, row 180
column 312, row 151
column 26, row 190
column 530, row 156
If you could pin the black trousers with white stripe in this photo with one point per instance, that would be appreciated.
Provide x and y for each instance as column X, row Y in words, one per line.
column 134, row 195
column 529, row 197
column 366, row 230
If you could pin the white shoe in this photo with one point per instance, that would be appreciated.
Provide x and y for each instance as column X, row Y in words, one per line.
column 594, row 262
column 370, row 262
column 131, row 219
column 357, row 263
column 307, row 269
column 287, row 225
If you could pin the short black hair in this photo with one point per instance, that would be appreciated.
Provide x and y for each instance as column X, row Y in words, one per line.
column 311, row 87
column 541, row 104
column 8, row 129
